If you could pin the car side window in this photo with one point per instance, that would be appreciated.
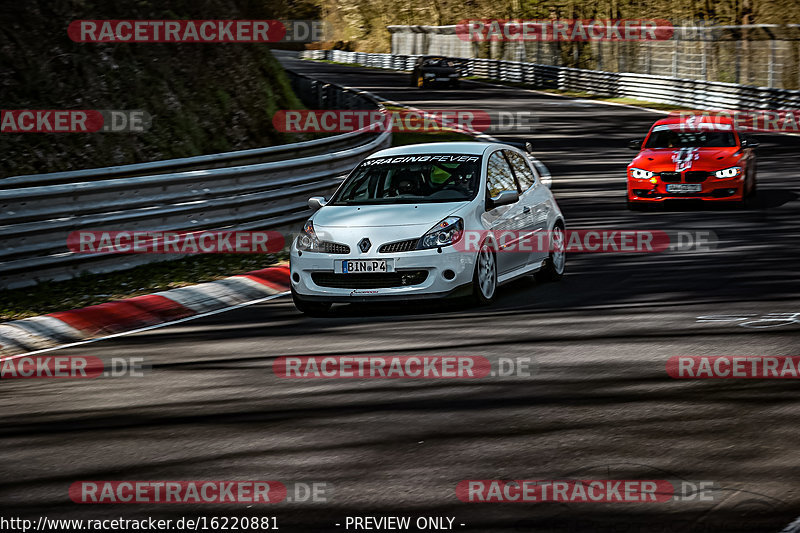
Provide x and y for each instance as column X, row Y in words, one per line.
column 522, row 169
column 499, row 177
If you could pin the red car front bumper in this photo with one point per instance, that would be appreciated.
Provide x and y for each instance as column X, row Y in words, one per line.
column 711, row 190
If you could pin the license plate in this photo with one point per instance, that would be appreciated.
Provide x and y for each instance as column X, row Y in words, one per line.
column 442, row 79
column 684, row 187
column 362, row 266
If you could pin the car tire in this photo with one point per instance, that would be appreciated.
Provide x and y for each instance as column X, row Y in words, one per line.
column 556, row 262
column 484, row 279
column 751, row 197
column 317, row 309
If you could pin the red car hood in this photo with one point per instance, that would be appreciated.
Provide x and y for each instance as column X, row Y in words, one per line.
column 680, row 159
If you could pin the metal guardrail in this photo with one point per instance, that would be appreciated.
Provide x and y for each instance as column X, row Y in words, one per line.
column 202, row 162
column 264, row 188
column 695, row 94
column 751, row 54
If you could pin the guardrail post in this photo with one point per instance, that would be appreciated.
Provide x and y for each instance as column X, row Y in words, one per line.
column 703, row 61
column 600, row 55
column 738, row 61
column 675, row 59
column 771, row 66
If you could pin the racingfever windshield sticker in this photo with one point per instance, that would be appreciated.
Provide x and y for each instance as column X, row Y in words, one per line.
column 439, row 158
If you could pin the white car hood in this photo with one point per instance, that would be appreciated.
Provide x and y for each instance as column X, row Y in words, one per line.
column 378, row 216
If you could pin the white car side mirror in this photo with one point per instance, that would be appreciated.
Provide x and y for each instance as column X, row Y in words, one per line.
column 504, row 198
column 316, row 202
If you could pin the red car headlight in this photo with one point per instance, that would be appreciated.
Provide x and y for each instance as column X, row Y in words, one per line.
column 639, row 174
column 728, row 172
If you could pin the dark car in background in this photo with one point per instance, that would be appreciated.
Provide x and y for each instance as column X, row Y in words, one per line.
column 429, row 70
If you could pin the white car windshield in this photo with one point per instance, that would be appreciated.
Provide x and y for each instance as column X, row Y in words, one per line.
column 428, row 178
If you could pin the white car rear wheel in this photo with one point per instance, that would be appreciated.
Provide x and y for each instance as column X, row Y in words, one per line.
column 556, row 262
column 485, row 277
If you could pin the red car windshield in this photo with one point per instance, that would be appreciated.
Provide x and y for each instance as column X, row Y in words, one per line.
column 686, row 138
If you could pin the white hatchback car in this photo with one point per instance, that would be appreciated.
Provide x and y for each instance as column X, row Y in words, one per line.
column 392, row 228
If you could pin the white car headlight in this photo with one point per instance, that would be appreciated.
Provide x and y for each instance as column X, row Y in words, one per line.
column 430, row 75
column 448, row 231
column 640, row 174
column 308, row 240
column 728, row 172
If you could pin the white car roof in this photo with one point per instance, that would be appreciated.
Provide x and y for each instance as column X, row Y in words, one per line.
column 472, row 148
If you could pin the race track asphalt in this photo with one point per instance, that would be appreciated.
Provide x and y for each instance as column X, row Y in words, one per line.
column 598, row 405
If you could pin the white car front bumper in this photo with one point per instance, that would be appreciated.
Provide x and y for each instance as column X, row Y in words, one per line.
column 417, row 274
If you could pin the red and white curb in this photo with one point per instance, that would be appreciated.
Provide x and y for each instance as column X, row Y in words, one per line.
column 56, row 329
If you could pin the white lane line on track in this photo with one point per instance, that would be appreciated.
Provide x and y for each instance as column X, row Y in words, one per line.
column 147, row 328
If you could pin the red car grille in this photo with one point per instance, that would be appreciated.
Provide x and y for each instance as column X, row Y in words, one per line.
column 690, row 176
column 695, row 176
column 670, row 177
